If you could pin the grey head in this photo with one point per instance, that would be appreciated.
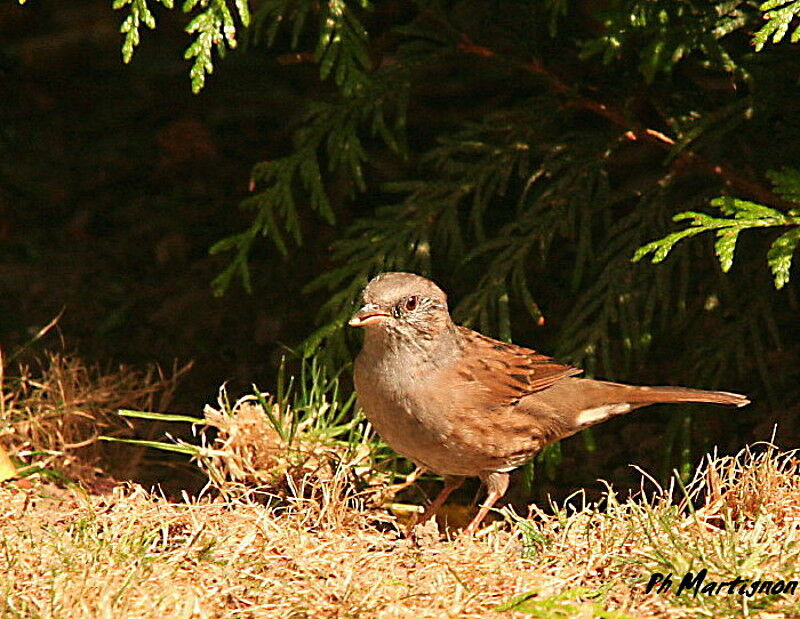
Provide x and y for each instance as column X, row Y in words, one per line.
column 402, row 307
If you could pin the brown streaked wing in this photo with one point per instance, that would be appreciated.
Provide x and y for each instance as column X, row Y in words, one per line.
column 508, row 372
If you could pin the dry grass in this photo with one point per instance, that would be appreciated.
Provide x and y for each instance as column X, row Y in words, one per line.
column 132, row 554
column 319, row 545
column 52, row 418
column 261, row 445
column 748, row 525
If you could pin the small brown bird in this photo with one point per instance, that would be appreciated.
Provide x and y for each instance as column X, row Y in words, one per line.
column 461, row 404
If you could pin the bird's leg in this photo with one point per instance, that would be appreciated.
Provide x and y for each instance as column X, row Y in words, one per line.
column 410, row 480
column 496, row 484
column 451, row 482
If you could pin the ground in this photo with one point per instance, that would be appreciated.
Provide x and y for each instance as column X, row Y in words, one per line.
column 129, row 553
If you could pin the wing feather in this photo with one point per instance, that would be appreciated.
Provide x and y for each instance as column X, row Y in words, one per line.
column 507, row 372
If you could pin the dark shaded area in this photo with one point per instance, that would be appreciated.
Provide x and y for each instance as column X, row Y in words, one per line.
column 114, row 182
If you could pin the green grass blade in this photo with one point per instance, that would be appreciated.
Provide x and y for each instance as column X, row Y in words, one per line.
column 124, row 412
column 181, row 449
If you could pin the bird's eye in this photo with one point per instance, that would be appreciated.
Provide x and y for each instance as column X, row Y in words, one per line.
column 411, row 303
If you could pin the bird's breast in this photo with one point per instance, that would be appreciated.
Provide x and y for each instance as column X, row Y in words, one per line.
column 400, row 402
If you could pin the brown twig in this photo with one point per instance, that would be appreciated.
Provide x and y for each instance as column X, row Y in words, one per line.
column 634, row 131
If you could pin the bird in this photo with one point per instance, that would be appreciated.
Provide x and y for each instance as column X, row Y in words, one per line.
column 460, row 404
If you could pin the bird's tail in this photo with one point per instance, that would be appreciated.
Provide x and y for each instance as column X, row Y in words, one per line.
column 659, row 395
column 603, row 400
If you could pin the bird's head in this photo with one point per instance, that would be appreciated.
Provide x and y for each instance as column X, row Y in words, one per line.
column 402, row 306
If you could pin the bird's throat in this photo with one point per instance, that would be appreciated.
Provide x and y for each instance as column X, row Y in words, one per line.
column 411, row 348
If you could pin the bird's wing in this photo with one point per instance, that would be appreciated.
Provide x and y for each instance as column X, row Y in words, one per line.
column 507, row 372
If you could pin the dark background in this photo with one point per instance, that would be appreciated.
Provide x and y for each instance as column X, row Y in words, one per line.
column 116, row 180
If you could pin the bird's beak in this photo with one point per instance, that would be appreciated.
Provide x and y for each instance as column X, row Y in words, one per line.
column 368, row 315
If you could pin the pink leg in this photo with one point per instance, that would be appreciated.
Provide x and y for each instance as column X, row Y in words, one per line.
column 450, row 484
column 497, row 484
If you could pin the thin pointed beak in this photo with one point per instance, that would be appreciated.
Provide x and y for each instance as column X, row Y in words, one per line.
column 368, row 315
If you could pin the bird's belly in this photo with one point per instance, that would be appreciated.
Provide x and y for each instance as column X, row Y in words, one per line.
column 429, row 439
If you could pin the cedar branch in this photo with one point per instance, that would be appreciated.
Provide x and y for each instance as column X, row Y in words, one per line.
column 634, row 131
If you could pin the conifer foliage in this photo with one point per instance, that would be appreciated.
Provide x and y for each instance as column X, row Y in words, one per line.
column 523, row 152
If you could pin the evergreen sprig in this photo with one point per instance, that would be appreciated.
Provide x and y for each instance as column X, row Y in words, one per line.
column 341, row 51
column 664, row 32
column 342, row 48
column 139, row 14
column 213, row 27
column 779, row 15
column 740, row 215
